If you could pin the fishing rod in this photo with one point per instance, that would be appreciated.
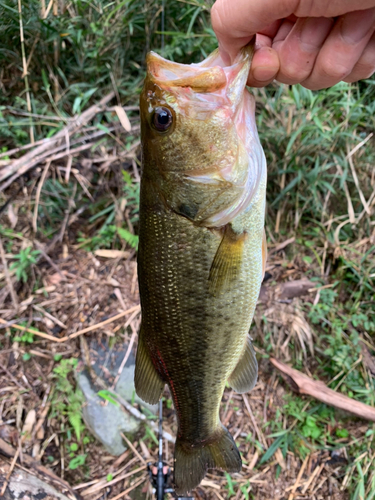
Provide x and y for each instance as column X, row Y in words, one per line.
column 159, row 472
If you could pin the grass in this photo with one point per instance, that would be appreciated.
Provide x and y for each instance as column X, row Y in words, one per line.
column 318, row 193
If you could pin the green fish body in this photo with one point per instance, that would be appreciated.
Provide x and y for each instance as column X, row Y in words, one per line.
column 201, row 250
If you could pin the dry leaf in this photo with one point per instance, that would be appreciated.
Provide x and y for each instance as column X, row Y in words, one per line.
column 12, row 215
column 123, row 117
column 54, row 279
column 28, row 426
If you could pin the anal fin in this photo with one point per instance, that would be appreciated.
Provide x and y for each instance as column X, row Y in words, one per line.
column 148, row 384
column 244, row 376
column 227, row 262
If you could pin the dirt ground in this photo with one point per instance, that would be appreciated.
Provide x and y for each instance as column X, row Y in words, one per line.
column 81, row 291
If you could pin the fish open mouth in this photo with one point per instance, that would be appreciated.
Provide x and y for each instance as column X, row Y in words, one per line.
column 208, row 87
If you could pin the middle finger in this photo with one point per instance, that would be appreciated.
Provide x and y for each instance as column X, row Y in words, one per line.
column 299, row 50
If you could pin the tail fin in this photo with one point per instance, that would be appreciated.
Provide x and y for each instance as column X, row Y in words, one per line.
column 192, row 462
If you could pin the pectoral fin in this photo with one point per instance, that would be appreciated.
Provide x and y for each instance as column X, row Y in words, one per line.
column 227, row 262
column 148, row 383
column 244, row 376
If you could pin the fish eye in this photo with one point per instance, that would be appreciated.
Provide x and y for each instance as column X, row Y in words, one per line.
column 162, row 119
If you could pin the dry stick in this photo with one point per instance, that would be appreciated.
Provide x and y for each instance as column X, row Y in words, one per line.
column 49, row 316
column 49, row 260
column 296, row 484
column 10, row 472
column 37, row 198
column 259, row 433
column 126, row 357
column 7, row 276
column 48, row 9
column 318, row 469
column 356, row 182
column 8, row 450
column 351, row 212
column 42, row 8
column 27, row 161
column 68, row 168
column 50, row 154
column 76, row 334
column 98, row 487
column 140, row 416
column 358, row 146
column 135, row 485
column 133, row 448
column 24, row 64
column 305, row 385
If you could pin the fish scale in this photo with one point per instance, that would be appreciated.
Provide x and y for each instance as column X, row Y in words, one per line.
column 198, row 283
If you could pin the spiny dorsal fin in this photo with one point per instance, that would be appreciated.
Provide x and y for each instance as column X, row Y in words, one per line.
column 227, row 262
column 244, row 376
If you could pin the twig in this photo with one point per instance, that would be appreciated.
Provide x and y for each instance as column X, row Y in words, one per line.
column 138, row 415
column 296, row 484
column 103, row 323
column 10, row 471
column 356, row 182
column 76, row 334
column 259, row 433
column 30, row 159
column 49, row 316
column 134, row 450
column 8, row 450
column 7, row 276
column 98, row 487
column 358, row 146
column 305, row 385
column 24, row 64
column 126, row 357
column 68, row 168
column 38, row 191
column 49, row 260
column 135, row 485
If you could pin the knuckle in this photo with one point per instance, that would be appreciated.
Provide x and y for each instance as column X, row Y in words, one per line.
column 293, row 74
column 335, row 70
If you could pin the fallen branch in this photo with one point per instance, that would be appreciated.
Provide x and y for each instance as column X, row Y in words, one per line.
column 8, row 451
column 29, row 160
column 305, row 385
column 286, row 291
column 75, row 334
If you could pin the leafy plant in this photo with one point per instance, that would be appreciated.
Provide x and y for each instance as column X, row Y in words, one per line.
column 24, row 260
column 67, row 400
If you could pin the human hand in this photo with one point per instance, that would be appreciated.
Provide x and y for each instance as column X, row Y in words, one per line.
column 317, row 43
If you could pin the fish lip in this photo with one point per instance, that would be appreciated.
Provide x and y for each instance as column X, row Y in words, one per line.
column 210, row 75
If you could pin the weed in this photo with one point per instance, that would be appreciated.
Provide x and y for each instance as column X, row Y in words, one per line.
column 24, row 260
column 67, row 400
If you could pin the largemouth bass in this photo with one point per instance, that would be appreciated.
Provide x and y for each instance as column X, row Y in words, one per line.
column 201, row 250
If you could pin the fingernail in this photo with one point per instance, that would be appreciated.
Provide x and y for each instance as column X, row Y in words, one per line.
column 356, row 25
column 265, row 65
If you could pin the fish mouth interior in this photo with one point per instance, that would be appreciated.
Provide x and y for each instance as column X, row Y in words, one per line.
column 163, row 70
